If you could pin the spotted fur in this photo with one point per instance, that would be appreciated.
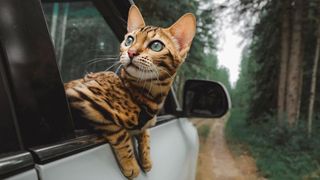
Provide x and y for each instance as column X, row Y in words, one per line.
column 119, row 106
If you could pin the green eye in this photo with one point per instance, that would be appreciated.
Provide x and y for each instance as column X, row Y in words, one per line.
column 156, row 46
column 129, row 41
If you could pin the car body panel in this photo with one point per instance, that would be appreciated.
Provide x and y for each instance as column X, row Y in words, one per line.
column 174, row 150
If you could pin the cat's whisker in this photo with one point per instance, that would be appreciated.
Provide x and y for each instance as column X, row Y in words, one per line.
column 157, row 75
column 167, row 73
column 99, row 59
column 108, row 55
column 117, row 70
column 114, row 64
column 120, row 18
column 143, row 77
column 139, row 77
column 107, row 58
column 151, row 84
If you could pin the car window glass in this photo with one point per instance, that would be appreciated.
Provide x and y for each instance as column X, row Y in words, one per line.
column 83, row 40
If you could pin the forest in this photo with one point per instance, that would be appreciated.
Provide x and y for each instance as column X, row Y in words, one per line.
column 276, row 100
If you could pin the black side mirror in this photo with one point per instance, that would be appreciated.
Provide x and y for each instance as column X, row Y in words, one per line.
column 205, row 99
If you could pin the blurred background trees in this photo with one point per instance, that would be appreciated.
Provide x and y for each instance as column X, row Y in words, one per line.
column 278, row 115
column 283, row 53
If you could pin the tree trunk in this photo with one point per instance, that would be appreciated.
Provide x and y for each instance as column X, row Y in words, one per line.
column 304, row 23
column 294, row 69
column 285, row 47
column 300, row 92
column 313, row 83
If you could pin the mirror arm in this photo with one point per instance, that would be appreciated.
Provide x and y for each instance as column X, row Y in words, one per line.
column 178, row 108
column 180, row 113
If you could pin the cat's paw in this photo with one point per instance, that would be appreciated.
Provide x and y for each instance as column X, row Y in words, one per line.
column 130, row 168
column 146, row 165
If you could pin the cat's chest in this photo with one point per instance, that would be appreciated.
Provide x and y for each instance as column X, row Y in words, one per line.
column 135, row 117
column 110, row 92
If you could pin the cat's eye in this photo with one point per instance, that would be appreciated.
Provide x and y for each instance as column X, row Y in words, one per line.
column 156, row 46
column 129, row 41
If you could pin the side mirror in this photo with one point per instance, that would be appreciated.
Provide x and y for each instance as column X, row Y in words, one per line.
column 205, row 99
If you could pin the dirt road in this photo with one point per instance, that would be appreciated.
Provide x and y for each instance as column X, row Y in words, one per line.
column 216, row 162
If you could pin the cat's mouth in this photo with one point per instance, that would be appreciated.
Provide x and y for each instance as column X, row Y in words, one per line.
column 140, row 72
column 131, row 64
column 139, row 65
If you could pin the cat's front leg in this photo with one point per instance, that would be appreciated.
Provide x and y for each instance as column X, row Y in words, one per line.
column 120, row 141
column 144, row 150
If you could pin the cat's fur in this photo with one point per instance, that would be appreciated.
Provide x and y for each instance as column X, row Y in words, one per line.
column 117, row 105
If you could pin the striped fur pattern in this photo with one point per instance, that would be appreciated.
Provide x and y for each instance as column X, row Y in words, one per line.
column 120, row 106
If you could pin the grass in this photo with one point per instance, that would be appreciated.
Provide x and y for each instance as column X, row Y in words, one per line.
column 204, row 131
column 280, row 153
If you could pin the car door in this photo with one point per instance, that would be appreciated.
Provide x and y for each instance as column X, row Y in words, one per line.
column 174, row 149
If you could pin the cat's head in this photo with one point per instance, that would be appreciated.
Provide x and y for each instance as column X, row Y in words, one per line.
column 149, row 52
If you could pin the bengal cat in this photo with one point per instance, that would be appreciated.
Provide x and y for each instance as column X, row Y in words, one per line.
column 118, row 105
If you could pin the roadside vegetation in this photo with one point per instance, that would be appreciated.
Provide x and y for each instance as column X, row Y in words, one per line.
column 276, row 114
column 204, row 131
column 280, row 152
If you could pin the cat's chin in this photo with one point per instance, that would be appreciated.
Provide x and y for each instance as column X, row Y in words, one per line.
column 140, row 74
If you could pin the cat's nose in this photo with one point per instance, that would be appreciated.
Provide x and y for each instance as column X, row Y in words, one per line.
column 132, row 53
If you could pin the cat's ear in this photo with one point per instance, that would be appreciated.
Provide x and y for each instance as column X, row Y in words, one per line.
column 183, row 31
column 135, row 19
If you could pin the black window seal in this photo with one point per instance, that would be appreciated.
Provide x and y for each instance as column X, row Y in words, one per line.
column 46, row 154
column 15, row 163
column 165, row 118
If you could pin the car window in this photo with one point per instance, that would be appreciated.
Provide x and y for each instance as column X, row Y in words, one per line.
column 83, row 40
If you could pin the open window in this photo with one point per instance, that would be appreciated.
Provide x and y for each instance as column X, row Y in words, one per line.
column 83, row 41
column 86, row 36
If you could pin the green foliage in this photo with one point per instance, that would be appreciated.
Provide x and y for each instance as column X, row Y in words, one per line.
column 260, row 80
column 204, row 131
column 280, row 153
column 242, row 93
column 262, row 56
